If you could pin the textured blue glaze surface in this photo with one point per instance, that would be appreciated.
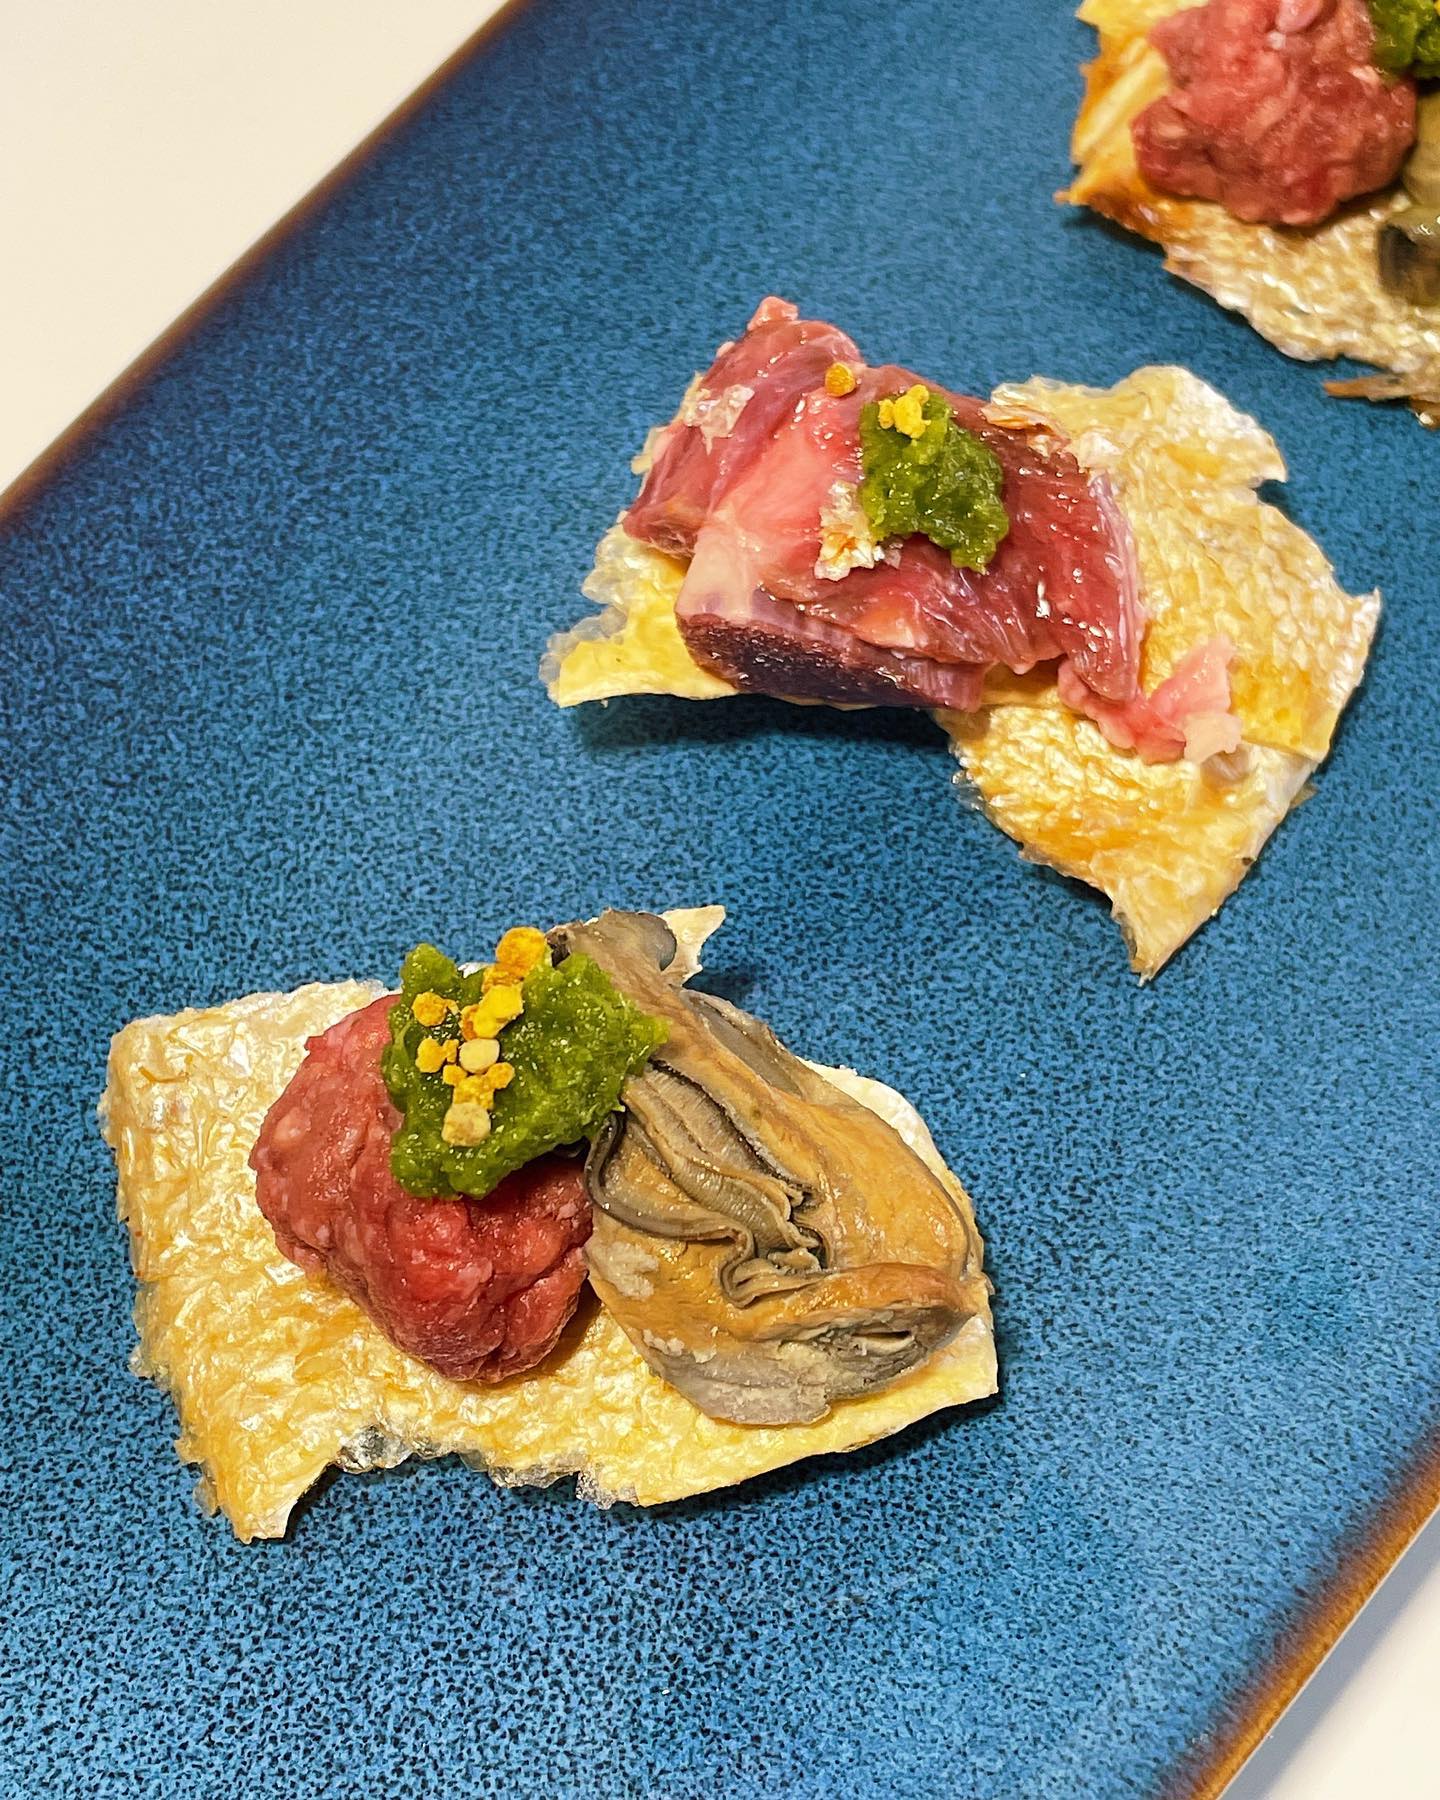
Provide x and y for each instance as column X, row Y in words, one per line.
column 270, row 713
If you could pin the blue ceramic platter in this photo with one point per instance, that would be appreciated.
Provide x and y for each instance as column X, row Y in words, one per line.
column 270, row 714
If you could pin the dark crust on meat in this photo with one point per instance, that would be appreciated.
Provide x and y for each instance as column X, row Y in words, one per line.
column 781, row 667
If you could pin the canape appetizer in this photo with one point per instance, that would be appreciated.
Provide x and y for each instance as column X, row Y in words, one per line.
column 1139, row 664
column 560, row 1214
column 1286, row 154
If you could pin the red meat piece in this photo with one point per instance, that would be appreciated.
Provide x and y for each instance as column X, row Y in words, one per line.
column 479, row 1289
column 1056, row 586
column 765, row 646
column 912, row 630
column 778, row 361
column 1278, row 110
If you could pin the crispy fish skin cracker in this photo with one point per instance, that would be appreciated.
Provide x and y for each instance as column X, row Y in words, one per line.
column 277, row 1375
column 1168, row 842
column 1215, row 560
column 1165, row 842
column 1315, row 294
column 598, row 659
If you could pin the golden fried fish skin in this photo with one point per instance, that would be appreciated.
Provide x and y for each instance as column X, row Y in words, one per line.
column 1315, row 293
column 1169, row 842
column 1166, row 842
column 770, row 1246
column 277, row 1376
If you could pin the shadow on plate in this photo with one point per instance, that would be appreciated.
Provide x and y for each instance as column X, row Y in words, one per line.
column 647, row 721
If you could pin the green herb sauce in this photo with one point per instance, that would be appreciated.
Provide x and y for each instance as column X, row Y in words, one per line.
column 1407, row 37
column 572, row 1049
column 946, row 484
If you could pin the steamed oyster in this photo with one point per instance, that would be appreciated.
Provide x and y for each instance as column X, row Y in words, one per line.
column 768, row 1245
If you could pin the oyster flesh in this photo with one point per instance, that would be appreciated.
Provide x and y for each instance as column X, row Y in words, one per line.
column 768, row 1245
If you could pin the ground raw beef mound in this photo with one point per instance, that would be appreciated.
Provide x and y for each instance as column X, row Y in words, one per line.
column 1278, row 110
column 479, row 1289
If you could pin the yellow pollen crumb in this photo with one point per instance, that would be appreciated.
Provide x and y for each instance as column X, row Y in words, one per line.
column 839, row 379
column 430, row 1008
column 488, row 1017
column 452, row 1074
column 466, row 1123
column 477, row 1054
column 907, row 411
column 431, row 1055
column 481, row 1089
column 522, row 949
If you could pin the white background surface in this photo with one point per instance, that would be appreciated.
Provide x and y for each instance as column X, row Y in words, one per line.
column 143, row 147
column 145, row 144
